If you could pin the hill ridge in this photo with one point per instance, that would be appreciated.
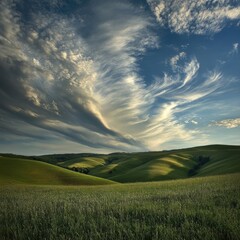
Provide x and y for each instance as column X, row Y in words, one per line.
column 152, row 166
column 27, row 171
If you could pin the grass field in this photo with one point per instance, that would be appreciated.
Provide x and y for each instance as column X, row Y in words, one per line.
column 199, row 208
column 39, row 200
column 153, row 166
column 166, row 165
column 21, row 171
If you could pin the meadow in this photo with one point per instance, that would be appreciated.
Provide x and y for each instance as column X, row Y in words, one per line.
column 153, row 166
column 195, row 208
column 26, row 171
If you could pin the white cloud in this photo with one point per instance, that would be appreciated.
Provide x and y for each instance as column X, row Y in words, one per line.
column 190, row 71
column 235, row 48
column 183, row 85
column 191, row 121
column 194, row 122
column 87, row 87
column 64, row 82
column 194, row 16
column 227, row 123
column 175, row 60
column 9, row 27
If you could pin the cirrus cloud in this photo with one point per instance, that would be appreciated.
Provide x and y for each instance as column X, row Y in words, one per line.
column 228, row 123
column 194, row 16
column 71, row 77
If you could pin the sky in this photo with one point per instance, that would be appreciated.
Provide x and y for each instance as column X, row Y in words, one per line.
column 110, row 76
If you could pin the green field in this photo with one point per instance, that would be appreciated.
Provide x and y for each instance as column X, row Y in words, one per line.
column 199, row 208
column 153, row 166
column 41, row 198
column 22, row 171
column 120, row 167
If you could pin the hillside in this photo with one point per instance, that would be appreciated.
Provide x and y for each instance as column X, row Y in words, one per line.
column 152, row 166
column 155, row 166
column 22, row 171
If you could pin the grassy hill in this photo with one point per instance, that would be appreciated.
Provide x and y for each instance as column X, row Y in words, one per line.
column 24, row 171
column 191, row 208
column 152, row 166
column 155, row 166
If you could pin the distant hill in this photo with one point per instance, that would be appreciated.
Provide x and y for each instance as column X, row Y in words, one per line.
column 153, row 166
column 166, row 165
column 25, row 171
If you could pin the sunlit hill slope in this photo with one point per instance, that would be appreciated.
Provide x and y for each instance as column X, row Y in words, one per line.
column 153, row 166
column 24, row 171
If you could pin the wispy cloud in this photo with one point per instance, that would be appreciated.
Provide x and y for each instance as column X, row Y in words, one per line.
column 192, row 121
column 194, row 16
column 78, row 78
column 60, row 86
column 227, row 123
column 174, row 61
column 235, row 48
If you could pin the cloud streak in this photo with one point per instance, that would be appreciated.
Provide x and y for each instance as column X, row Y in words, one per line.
column 78, row 78
column 227, row 123
column 194, row 16
column 54, row 76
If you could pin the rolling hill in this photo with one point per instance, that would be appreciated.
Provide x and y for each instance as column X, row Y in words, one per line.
column 151, row 166
column 25, row 171
column 155, row 166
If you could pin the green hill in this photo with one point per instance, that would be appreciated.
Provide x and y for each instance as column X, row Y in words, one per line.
column 24, row 171
column 155, row 166
column 152, row 166
column 177, row 164
column 84, row 162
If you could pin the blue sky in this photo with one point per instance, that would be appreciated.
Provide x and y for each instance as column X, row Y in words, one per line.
column 105, row 76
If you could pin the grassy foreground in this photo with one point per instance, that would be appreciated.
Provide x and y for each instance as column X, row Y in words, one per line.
column 199, row 208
